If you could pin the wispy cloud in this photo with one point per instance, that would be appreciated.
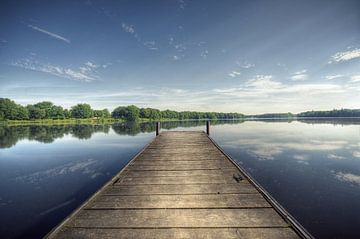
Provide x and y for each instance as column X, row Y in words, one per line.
column 336, row 157
column 299, row 75
column 245, row 65
column 355, row 78
column 348, row 177
column 150, row 45
column 182, row 4
column 204, row 54
column 234, row 74
column 345, row 56
column 131, row 30
column 51, row 34
column 91, row 65
column 333, row 77
column 84, row 73
column 128, row 28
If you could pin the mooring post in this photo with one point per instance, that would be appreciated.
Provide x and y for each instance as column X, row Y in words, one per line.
column 208, row 127
column 157, row 128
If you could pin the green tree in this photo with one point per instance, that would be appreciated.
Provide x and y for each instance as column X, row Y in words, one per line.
column 81, row 111
column 56, row 112
column 35, row 112
column 129, row 113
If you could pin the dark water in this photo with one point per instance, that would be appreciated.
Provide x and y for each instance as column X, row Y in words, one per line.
column 311, row 167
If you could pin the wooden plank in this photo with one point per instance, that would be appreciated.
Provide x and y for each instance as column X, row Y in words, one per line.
column 184, row 233
column 180, row 201
column 177, row 167
column 180, row 189
column 206, row 179
column 216, row 163
column 189, row 173
column 150, row 218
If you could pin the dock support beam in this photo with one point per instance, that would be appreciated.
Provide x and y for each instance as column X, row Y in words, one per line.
column 157, row 128
column 208, row 127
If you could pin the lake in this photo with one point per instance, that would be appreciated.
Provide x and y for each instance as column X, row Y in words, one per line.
column 311, row 167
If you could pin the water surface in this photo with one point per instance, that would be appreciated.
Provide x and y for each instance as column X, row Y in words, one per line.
column 312, row 167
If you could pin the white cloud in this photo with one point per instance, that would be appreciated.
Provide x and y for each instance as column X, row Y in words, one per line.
column 150, row 45
column 355, row 78
column 345, row 56
column 204, row 54
column 175, row 58
column 245, row 65
column 356, row 154
column 300, row 157
column 299, row 75
column 182, row 4
column 348, row 177
column 234, row 74
column 51, row 34
column 84, row 73
column 263, row 82
column 333, row 77
column 128, row 28
column 334, row 156
column 92, row 65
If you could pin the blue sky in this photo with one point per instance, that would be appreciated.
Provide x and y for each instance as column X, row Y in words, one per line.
column 238, row 56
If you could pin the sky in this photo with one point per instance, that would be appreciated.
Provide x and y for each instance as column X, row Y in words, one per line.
column 244, row 56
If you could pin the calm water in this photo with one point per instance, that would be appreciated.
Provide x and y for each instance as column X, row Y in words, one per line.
column 311, row 167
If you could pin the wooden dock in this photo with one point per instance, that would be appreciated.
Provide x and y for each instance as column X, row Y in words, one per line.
column 181, row 185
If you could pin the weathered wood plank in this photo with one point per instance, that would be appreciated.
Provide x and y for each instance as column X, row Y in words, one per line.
column 180, row 201
column 206, row 179
column 177, row 167
column 150, row 218
column 189, row 173
column 184, row 233
column 215, row 163
column 180, row 189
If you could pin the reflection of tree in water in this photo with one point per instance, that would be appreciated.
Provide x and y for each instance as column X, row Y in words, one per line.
column 86, row 131
column 136, row 128
column 10, row 135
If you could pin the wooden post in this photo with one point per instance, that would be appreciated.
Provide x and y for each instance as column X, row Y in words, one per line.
column 157, row 128
column 208, row 127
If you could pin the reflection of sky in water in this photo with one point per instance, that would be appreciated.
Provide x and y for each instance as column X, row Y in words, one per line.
column 311, row 169
column 42, row 183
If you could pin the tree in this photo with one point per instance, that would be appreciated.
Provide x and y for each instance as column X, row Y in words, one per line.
column 102, row 113
column 56, row 112
column 46, row 106
column 129, row 113
column 35, row 112
column 81, row 111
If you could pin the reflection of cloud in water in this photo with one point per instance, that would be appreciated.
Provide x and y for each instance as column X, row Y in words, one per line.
column 265, row 153
column 85, row 167
column 301, row 159
column 356, row 154
column 348, row 177
column 334, row 156
column 268, row 148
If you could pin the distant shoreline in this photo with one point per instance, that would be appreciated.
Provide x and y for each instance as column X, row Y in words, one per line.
column 97, row 121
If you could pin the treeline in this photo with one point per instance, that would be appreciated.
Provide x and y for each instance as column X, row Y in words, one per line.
column 9, row 110
column 310, row 114
column 331, row 113
column 133, row 113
